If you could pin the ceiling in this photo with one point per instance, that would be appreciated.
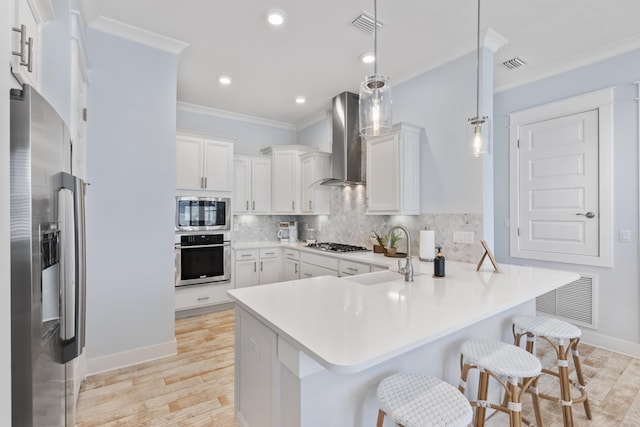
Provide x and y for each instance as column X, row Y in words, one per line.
column 315, row 53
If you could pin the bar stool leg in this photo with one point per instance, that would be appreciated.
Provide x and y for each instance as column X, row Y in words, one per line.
column 380, row 418
column 578, row 367
column 514, row 405
column 483, row 392
column 565, row 390
column 531, row 340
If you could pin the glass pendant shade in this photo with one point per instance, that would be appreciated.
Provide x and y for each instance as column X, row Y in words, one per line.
column 479, row 135
column 375, row 105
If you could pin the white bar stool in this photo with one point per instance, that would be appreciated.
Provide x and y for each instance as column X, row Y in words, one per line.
column 498, row 360
column 548, row 328
column 419, row 400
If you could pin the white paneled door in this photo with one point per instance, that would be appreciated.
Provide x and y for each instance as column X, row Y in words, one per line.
column 558, row 194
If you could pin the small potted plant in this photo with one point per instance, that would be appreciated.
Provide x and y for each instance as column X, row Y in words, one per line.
column 391, row 249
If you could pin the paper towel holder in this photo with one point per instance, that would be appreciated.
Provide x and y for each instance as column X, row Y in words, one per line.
column 487, row 251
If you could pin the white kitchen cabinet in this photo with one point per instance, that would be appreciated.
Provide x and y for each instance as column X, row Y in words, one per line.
column 352, row 268
column 257, row 371
column 29, row 16
column 247, row 273
column 393, row 172
column 291, row 265
column 203, row 164
column 194, row 296
column 286, row 177
column 313, row 265
column 252, row 185
column 258, row 266
column 314, row 198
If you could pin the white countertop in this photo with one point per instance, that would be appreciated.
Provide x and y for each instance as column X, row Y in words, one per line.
column 347, row 326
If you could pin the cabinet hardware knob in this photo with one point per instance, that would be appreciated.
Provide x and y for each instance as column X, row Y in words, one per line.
column 203, row 298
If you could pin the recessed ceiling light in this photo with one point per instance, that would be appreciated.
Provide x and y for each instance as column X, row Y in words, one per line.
column 300, row 99
column 367, row 57
column 225, row 79
column 276, row 17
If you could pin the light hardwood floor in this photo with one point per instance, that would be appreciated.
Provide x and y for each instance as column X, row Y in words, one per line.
column 195, row 387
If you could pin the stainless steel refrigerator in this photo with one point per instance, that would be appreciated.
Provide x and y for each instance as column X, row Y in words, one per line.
column 47, row 265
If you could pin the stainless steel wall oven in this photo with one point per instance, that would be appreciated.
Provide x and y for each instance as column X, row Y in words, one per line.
column 202, row 258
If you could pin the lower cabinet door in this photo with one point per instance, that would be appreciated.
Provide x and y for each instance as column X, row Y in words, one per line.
column 291, row 269
column 256, row 371
column 270, row 270
column 247, row 273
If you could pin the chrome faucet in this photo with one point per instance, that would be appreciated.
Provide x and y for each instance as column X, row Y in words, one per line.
column 407, row 270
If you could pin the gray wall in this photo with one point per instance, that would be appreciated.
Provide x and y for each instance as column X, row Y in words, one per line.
column 250, row 137
column 619, row 296
column 130, row 203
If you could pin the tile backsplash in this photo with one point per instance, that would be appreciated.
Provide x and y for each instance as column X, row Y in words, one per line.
column 348, row 223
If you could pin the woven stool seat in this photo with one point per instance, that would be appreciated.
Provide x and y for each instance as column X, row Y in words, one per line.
column 547, row 327
column 498, row 360
column 419, row 400
column 501, row 358
column 565, row 338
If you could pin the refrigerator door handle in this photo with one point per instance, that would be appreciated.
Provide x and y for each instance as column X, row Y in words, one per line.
column 74, row 345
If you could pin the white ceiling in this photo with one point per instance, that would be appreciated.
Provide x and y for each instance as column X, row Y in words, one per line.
column 316, row 52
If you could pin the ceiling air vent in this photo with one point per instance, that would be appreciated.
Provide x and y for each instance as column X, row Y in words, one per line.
column 365, row 21
column 514, row 63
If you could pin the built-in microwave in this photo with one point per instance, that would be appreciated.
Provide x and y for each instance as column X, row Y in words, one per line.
column 195, row 213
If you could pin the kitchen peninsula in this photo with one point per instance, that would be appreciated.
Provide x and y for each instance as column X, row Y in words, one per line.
column 310, row 352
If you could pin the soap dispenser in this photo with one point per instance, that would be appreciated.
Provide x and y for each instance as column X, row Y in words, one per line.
column 438, row 264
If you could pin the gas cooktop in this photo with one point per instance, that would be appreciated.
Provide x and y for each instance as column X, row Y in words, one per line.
column 336, row 247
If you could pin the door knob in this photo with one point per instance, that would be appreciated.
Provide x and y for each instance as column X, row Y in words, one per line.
column 588, row 214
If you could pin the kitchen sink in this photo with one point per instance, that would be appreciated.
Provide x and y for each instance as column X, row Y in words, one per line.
column 378, row 277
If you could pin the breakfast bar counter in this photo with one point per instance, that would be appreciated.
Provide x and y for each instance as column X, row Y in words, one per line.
column 311, row 352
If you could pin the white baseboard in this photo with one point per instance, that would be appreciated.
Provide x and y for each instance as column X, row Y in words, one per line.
column 110, row 362
column 627, row 348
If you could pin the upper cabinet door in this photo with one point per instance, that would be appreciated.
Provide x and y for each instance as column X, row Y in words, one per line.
column 261, row 186
column 189, row 174
column 383, row 177
column 242, row 185
column 204, row 164
column 286, row 182
column 315, row 198
column 29, row 15
column 393, row 172
column 218, row 161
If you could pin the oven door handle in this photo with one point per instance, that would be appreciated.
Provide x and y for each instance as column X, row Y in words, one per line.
column 203, row 246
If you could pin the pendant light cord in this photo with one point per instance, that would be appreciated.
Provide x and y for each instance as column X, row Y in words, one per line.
column 375, row 37
column 478, row 68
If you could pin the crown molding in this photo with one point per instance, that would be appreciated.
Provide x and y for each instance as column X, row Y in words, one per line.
column 601, row 54
column 493, row 40
column 139, row 35
column 311, row 120
column 214, row 112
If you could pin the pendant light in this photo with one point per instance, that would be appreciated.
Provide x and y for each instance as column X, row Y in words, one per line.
column 479, row 130
column 375, row 94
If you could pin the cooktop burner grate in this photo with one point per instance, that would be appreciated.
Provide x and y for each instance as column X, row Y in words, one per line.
column 336, row 247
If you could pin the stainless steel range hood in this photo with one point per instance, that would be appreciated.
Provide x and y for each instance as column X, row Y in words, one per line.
column 347, row 156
